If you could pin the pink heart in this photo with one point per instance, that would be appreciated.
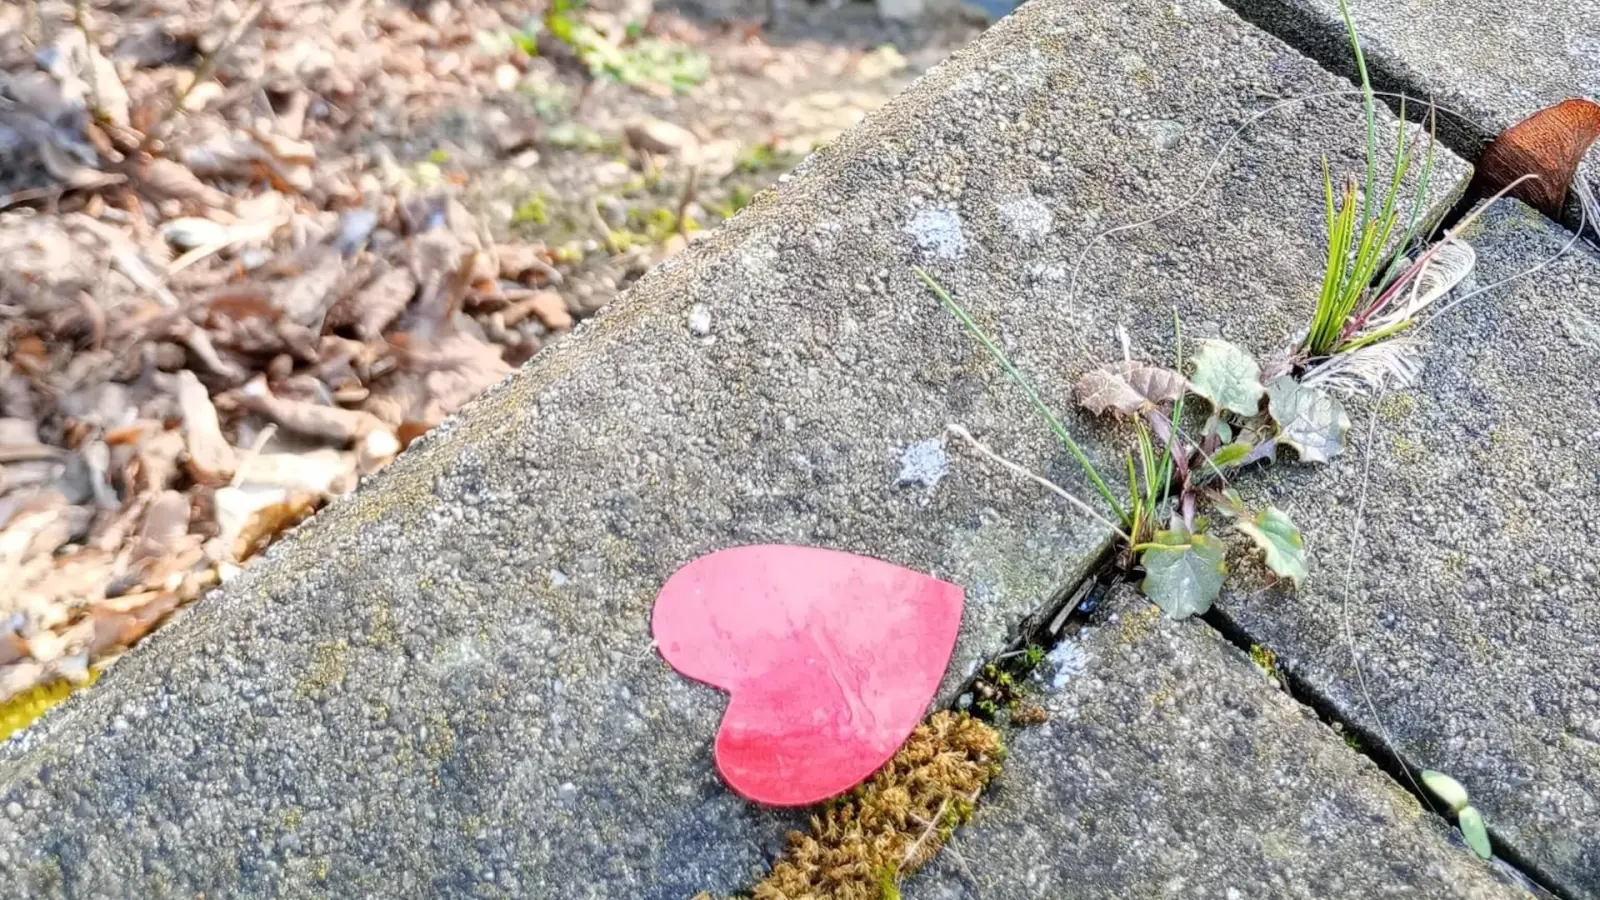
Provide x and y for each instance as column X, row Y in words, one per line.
column 829, row 659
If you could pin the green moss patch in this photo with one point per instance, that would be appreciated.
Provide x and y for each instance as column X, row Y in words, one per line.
column 861, row 845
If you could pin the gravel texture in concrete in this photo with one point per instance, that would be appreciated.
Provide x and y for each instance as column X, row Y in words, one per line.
column 1470, row 587
column 444, row 684
column 1171, row 766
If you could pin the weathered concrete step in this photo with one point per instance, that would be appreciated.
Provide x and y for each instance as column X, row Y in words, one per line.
column 444, row 686
column 1172, row 767
column 1473, row 598
column 1493, row 63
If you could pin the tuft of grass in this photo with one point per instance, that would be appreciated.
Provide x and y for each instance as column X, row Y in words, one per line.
column 861, row 845
column 648, row 61
column 525, row 41
column 1357, row 246
column 1144, row 489
column 1354, row 253
column 560, row 22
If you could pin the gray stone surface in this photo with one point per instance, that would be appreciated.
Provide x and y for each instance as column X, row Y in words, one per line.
column 443, row 685
column 1493, row 63
column 1473, row 601
column 1173, row 767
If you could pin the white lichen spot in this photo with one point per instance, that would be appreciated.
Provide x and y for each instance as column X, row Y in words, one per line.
column 567, row 793
column 1133, row 63
column 1047, row 272
column 972, row 83
column 1027, row 218
column 461, row 654
column 1023, row 70
column 938, row 231
column 758, row 257
column 980, row 593
column 1584, row 331
column 1067, row 661
column 699, row 320
column 1165, row 134
column 923, row 463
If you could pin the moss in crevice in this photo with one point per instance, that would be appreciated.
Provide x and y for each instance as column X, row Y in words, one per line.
column 861, row 845
column 997, row 689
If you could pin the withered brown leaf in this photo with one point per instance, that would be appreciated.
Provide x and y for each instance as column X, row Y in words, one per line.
column 1128, row 388
column 1550, row 143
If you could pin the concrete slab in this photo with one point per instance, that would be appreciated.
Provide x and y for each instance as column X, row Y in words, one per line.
column 1472, row 592
column 444, row 685
column 1173, row 767
column 1493, row 63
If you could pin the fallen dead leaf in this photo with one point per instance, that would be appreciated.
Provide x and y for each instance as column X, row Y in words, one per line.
column 45, row 528
column 550, row 308
column 211, row 458
column 250, row 518
column 341, row 426
column 1128, row 388
column 1550, row 144
column 170, row 178
column 325, row 471
column 372, row 308
column 157, row 460
column 166, row 522
column 305, row 300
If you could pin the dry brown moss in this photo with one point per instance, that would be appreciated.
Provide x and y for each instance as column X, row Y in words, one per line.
column 862, row 844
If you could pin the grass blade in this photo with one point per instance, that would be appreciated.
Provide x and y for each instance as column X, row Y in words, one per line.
column 1027, row 391
column 1368, row 102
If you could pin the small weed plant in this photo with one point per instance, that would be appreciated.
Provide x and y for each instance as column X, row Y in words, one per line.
column 1173, row 467
column 1196, row 423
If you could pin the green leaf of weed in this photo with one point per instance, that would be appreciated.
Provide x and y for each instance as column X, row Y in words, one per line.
column 1275, row 533
column 1183, row 571
column 1228, row 377
column 1311, row 420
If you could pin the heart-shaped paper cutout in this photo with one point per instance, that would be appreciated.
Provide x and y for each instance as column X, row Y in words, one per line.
column 829, row 659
